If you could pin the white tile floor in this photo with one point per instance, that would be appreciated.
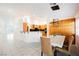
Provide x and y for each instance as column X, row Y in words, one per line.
column 19, row 48
column 18, row 45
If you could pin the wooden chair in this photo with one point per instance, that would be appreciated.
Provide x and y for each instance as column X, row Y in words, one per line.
column 67, row 45
column 46, row 47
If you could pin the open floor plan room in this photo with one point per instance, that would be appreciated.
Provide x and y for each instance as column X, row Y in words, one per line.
column 39, row 29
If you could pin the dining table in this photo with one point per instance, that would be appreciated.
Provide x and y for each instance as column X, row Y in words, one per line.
column 57, row 41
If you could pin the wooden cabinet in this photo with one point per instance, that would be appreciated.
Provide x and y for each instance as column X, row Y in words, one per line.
column 64, row 27
column 25, row 27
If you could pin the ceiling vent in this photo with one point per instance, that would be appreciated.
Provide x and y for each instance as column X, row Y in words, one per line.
column 54, row 6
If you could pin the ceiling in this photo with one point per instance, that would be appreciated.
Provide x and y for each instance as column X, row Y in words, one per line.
column 39, row 12
column 66, row 10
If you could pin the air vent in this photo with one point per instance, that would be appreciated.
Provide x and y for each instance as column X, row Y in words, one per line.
column 54, row 6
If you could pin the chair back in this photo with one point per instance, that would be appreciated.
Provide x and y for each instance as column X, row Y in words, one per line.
column 46, row 46
column 68, row 42
column 71, row 38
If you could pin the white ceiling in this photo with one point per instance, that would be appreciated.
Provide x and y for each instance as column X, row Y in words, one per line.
column 18, row 9
column 38, row 11
column 66, row 10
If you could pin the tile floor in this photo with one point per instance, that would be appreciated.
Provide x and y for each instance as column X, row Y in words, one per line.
column 21, row 48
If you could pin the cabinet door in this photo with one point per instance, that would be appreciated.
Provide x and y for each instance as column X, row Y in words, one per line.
column 67, row 29
column 25, row 27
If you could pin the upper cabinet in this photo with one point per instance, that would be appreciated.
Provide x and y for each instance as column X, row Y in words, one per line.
column 65, row 27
